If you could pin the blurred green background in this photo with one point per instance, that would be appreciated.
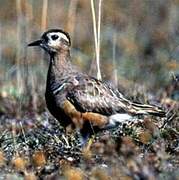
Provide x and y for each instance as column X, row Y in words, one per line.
column 139, row 45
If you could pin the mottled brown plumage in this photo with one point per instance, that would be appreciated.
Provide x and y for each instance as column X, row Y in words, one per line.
column 76, row 98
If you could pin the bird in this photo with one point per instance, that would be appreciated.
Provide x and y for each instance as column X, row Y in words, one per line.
column 79, row 100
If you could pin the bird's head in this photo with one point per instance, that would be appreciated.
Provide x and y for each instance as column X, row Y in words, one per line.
column 53, row 41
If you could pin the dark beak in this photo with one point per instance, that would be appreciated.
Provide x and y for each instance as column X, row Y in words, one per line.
column 35, row 43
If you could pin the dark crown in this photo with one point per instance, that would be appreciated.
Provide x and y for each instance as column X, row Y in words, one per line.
column 44, row 35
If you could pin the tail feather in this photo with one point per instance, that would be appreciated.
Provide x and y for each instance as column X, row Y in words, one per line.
column 133, row 109
column 140, row 109
column 147, row 109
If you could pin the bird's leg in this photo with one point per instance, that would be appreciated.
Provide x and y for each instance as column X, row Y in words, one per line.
column 87, row 144
column 78, row 118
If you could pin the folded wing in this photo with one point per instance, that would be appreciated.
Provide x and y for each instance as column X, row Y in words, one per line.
column 92, row 95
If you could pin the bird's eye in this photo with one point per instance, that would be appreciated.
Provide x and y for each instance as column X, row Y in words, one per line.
column 54, row 37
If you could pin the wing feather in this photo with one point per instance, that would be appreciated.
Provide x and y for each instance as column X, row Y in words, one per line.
column 92, row 95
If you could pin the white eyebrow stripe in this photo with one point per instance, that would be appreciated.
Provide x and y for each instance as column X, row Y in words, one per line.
column 61, row 35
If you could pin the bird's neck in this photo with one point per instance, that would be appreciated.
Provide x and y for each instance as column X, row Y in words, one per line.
column 59, row 68
column 61, row 61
